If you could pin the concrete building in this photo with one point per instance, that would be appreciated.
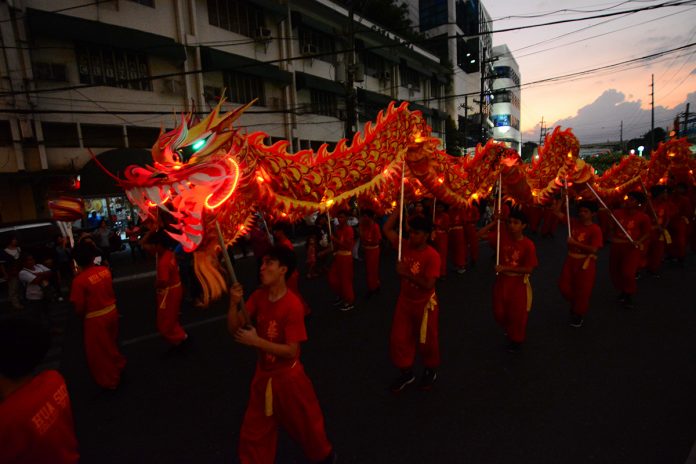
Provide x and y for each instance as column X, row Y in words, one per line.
column 506, row 98
column 107, row 76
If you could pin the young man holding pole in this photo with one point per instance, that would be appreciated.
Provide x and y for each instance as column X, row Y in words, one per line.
column 512, row 292
column 281, row 393
column 415, row 323
column 341, row 272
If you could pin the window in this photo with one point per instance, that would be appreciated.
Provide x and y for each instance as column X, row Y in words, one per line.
column 374, row 64
column 243, row 88
column 113, row 67
column 507, row 72
column 502, row 120
column 317, row 43
column 323, row 103
column 435, row 88
column 236, row 16
column 150, row 3
column 409, row 77
column 432, row 13
column 50, row 72
column 142, row 137
column 5, row 134
column 60, row 134
column 102, row 136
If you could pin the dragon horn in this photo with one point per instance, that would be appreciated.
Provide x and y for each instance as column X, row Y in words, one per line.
column 102, row 167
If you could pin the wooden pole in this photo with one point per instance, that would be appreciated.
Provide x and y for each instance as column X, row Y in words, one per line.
column 401, row 209
column 230, row 270
column 612, row 214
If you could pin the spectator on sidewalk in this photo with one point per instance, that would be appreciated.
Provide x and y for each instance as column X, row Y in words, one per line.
column 10, row 257
column 37, row 286
column 134, row 233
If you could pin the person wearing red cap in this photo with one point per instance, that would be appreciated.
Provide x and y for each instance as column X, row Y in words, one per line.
column 441, row 226
column 280, row 237
column 341, row 272
column 370, row 239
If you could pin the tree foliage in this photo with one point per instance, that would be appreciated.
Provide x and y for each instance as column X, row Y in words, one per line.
column 604, row 161
column 528, row 150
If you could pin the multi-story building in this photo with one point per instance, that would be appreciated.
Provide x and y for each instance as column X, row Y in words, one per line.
column 505, row 98
column 460, row 35
column 107, row 76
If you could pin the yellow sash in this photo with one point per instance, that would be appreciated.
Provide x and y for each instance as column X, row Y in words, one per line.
column 166, row 292
column 587, row 258
column 344, row 253
column 268, row 396
column 456, row 227
column 666, row 237
column 527, row 283
column 430, row 306
column 100, row 312
column 371, row 247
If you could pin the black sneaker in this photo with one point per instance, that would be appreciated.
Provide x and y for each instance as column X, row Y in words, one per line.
column 406, row 378
column 346, row 307
column 576, row 320
column 513, row 347
column 338, row 302
column 428, row 379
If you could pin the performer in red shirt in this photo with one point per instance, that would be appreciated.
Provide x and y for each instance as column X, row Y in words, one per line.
column 457, row 239
column 548, row 227
column 370, row 239
column 415, row 322
column 36, row 421
column 664, row 209
column 580, row 267
column 441, row 226
column 280, row 237
column 681, row 224
column 512, row 292
column 341, row 272
column 534, row 214
column 281, row 393
column 92, row 294
column 168, row 287
column 471, row 240
column 625, row 257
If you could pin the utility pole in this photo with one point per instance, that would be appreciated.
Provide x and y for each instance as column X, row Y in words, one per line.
column 351, row 96
column 483, row 80
column 621, row 136
column 686, row 121
column 541, row 131
column 652, row 114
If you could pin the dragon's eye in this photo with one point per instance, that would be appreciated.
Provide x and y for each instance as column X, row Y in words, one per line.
column 187, row 151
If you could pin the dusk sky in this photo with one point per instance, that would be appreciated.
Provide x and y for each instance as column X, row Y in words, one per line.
column 595, row 104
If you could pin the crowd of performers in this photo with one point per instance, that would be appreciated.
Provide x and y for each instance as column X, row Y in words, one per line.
column 643, row 230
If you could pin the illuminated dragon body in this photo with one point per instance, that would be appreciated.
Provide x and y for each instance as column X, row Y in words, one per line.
column 210, row 173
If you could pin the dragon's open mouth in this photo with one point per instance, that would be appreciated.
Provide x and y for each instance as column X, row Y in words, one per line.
column 185, row 192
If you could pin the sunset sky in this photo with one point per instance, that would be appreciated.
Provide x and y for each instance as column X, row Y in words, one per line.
column 595, row 104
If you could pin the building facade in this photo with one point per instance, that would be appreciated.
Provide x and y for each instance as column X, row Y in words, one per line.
column 108, row 76
column 505, row 98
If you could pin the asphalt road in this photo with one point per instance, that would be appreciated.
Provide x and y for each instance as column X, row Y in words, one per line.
column 618, row 390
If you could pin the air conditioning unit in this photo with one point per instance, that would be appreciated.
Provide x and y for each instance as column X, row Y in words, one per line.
column 263, row 34
column 385, row 76
column 309, row 49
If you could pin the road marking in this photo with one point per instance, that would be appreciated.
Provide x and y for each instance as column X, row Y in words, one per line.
column 187, row 326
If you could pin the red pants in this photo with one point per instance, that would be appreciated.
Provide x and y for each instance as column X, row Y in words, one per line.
column 405, row 335
column 168, row 308
column 471, row 241
column 680, row 237
column 294, row 286
column 624, row 262
column 341, row 277
column 457, row 246
column 103, row 358
column 510, row 305
column 603, row 221
column 656, row 252
column 576, row 283
column 295, row 408
column 441, row 244
column 372, row 267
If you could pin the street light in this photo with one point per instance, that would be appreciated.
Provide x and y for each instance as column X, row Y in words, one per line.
column 633, row 152
column 640, row 150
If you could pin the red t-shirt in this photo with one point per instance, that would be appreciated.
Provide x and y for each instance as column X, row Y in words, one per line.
column 456, row 216
column 36, row 423
column 421, row 263
column 665, row 210
column 370, row 235
column 92, row 290
column 683, row 205
column 516, row 253
column 637, row 224
column 279, row 321
column 167, row 270
column 472, row 214
column 442, row 222
column 345, row 238
column 590, row 235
